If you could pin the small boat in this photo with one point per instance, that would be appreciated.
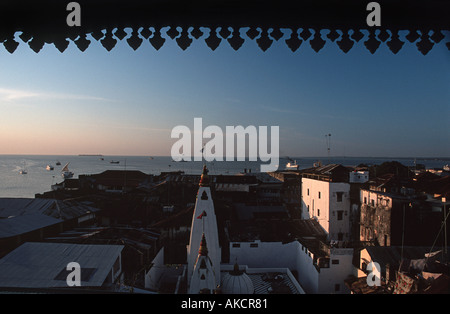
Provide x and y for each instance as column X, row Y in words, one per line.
column 114, row 162
column 102, row 158
column 66, row 173
column 49, row 168
column 292, row 165
column 58, row 163
column 23, row 170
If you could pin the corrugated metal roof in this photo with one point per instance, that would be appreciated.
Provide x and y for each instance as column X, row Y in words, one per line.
column 50, row 207
column 37, row 265
column 25, row 223
column 392, row 255
column 20, row 206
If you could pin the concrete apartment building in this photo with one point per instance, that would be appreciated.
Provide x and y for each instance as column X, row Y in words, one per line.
column 326, row 198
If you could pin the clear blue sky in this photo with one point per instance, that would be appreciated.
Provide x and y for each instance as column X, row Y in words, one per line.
column 126, row 102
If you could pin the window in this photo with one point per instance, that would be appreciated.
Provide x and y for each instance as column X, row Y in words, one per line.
column 340, row 214
column 236, row 245
column 339, row 196
column 318, row 212
column 307, row 192
column 308, row 208
column 335, row 262
column 372, row 202
column 253, row 244
column 319, row 194
column 365, row 200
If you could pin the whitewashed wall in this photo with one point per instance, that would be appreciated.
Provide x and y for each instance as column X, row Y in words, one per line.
column 298, row 258
column 325, row 208
column 153, row 276
column 331, row 280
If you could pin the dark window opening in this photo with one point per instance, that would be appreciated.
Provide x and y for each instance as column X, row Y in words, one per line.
column 85, row 274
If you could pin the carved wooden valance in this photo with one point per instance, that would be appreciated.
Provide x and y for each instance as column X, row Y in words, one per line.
column 296, row 23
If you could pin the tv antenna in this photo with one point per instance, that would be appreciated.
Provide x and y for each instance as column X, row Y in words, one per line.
column 328, row 140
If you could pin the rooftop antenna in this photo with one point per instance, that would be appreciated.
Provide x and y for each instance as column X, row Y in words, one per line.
column 327, row 138
column 125, row 183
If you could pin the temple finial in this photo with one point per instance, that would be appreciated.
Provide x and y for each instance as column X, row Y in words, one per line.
column 204, row 179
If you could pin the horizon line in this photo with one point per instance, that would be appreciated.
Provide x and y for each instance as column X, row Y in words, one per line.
column 284, row 157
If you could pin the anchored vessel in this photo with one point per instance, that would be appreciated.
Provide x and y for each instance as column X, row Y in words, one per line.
column 66, row 173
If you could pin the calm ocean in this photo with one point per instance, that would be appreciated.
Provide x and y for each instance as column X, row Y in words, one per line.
column 39, row 180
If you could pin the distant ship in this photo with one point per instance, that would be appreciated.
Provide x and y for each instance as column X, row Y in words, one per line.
column 23, row 171
column 66, row 173
column 292, row 165
column 58, row 163
column 114, row 162
column 49, row 168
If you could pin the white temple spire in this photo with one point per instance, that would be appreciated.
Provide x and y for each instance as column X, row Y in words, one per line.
column 204, row 223
column 203, row 276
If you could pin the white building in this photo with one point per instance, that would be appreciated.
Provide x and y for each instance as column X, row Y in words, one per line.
column 358, row 176
column 319, row 270
column 326, row 198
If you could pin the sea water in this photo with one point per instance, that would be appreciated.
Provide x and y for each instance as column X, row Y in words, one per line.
column 39, row 180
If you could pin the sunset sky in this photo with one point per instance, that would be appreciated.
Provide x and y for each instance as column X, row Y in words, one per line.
column 126, row 102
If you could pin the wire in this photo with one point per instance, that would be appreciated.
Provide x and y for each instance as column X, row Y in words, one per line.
column 431, row 249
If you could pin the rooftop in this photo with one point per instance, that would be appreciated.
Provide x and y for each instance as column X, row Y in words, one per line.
column 14, row 226
column 331, row 173
column 307, row 232
column 130, row 178
column 10, row 207
column 269, row 280
column 392, row 255
column 43, row 265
